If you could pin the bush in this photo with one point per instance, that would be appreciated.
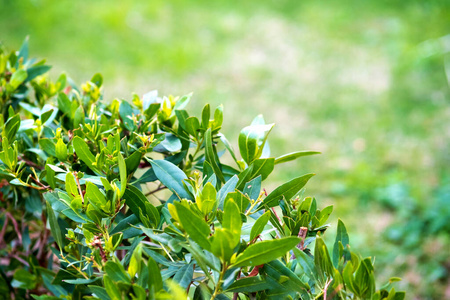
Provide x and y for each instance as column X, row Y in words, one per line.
column 134, row 200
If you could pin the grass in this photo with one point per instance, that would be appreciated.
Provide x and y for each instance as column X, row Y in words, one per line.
column 365, row 82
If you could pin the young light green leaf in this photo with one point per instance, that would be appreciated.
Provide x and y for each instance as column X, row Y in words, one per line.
column 195, row 227
column 265, row 251
column 251, row 141
column 206, row 112
column 61, row 150
column 206, row 201
column 71, row 185
column 123, row 173
column 95, row 196
column 192, row 126
column 111, row 288
column 135, row 262
column 294, row 155
column 11, row 127
column 83, row 152
column 223, row 243
column 18, row 78
column 259, row 225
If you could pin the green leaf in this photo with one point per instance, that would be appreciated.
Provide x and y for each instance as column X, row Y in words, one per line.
column 241, row 200
column 99, row 292
column 116, row 271
column 223, row 243
column 132, row 162
column 293, row 156
column 322, row 259
column 276, row 269
column 263, row 167
column 192, row 126
column 211, row 156
column 48, row 146
column 248, row 285
column 23, row 51
column 206, row 112
column 83, row 152
column 137, row 201
column 111, row 288
column 11, row 127
column 18, row 78
column 36, row 71
column 50, row 175
column 123, row 173
column 71, row 185
column 126, row 114
column 54, row 226
column 184, row 275
column 306, row 262
column 251, row 141
column 195, row 227
column 259, row 225
column 288, row 190
column 228, row 187
column 253, row 188
column 135, row 262
column 95, row 196
column 78, row 118
column 155, row 283
column 171, row 176
column 227, row 145
column 232, row 221
column 24, row 279
column 64, row 103
column 265, row 251
column 218, row 118
column 97, row 79
column 341, row 236
column 206, row 201
column 61, row 150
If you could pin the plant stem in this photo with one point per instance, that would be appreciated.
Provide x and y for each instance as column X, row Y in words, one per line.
column 218, row 289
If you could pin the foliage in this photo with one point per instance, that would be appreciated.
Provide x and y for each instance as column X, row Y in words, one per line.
column 137, row 200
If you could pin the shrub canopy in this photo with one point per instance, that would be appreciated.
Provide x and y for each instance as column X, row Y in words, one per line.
column 140, row 200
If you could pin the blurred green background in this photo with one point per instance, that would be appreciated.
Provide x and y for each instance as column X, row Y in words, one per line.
column 365, row 82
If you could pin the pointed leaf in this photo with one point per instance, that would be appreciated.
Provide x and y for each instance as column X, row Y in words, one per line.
column 265, row 251
column 288, row 190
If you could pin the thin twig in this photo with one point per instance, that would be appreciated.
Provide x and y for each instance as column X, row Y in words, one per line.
column 159, row 188
column 30, row 163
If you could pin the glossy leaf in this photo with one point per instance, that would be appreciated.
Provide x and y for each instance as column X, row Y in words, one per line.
column 171, row 176
column 288, row 190
column 294, row 156
column 83, row 152
column 195, row 227
column 265, row 251
column 259, row 225
column 54, row 226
